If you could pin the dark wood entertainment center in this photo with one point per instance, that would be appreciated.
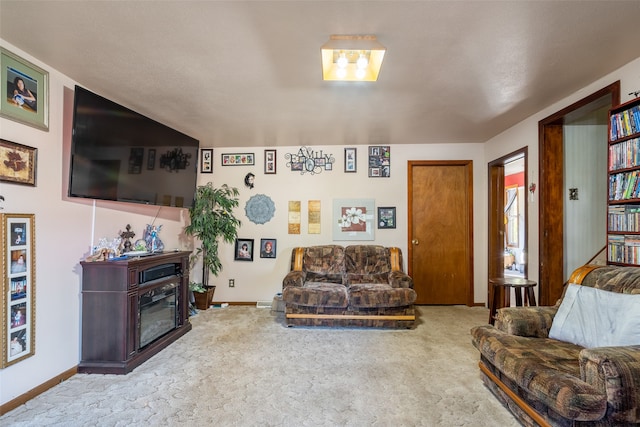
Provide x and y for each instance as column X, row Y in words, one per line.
column 113, row 294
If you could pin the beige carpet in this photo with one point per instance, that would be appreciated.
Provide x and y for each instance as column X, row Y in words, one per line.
column 240, row 366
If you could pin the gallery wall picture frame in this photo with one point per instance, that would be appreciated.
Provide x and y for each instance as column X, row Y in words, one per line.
column 18, row 163
column 24, row 93
column 270, row 162
column 353, row 219
column 379, row 161
column 238, row 159
column 268, row 248
column 350, row 160
column 244, row 250
column 386, row 217
column 18, row 288
column 206, row 160
column 151, row 159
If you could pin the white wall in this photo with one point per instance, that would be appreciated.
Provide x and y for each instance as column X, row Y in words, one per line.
column 64, row 227
column 262, row 279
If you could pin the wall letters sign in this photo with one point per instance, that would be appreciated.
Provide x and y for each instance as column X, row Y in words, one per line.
column 307, row 160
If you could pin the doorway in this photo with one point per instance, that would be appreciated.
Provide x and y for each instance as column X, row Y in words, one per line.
column 508, row 219
column 440, row 255
column 553, row 212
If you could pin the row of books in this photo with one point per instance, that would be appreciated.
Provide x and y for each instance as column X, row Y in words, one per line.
column 624, row 249
column 624, row 218
column 624, row 185
column 625, row 123
column 625, row 154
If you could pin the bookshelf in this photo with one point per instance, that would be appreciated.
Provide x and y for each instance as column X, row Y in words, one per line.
column 623, row 214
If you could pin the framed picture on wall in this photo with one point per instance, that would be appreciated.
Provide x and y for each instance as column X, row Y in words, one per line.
column 244, row 250
column 269, row 162
column 379, row 161
column 350, row 160
column 206, row 160
column 267, row 248
column 386, row 217
column 353, row 219
column 19, row 165
column 19, row 293
column 24, row 92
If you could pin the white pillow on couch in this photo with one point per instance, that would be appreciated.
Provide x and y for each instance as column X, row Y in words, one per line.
column 591, row 317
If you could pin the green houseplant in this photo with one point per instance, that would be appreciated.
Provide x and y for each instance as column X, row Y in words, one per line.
column 212, row 221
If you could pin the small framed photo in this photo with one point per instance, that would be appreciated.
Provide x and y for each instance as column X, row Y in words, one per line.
column 151, row 159
column 269, row 162
column 19, row 163
column 350, row 160
column 386, row 217
column 206, row 160
column 267, row 248
column 244, row 250
column 24, row 92
column 239, row 159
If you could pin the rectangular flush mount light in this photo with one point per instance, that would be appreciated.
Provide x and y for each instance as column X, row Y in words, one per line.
column 352, row 58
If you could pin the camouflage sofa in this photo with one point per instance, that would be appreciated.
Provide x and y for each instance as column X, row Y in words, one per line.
column 358, row 285
column 550, row 382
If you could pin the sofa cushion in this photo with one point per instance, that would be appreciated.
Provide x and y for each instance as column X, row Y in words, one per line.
column 367, row 259
column 592, row 317
column 546, row 368
column 324, row 260
column 317, row 294
column 352, row 278
column 371, row 295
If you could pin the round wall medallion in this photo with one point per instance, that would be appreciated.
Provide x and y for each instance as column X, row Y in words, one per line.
column 260, row 209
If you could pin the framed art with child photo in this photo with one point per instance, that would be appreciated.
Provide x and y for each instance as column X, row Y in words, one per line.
column 19, row 288
column 244, row 250
column 24, row 93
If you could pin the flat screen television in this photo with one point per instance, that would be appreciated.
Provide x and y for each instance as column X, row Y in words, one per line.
column 120, row 155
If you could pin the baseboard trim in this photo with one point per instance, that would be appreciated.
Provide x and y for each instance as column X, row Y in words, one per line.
column 349, row 316
column 516, row 399
column 23, row 398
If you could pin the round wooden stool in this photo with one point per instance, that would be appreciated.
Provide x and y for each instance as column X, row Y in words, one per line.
column 504, row 284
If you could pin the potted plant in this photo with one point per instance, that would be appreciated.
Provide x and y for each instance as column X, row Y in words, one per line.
column 212, row 221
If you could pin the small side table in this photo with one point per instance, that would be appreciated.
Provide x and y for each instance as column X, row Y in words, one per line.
column 506, row 283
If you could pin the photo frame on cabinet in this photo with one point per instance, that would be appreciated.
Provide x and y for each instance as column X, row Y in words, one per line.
column 19, row 288
column 19, row 165
column 24, row 92
column 386, row 217
column 350, row 160
column 270, row 162
column 244, row 250
column 206, row 160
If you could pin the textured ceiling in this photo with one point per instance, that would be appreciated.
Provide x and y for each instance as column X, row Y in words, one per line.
column 242, row 73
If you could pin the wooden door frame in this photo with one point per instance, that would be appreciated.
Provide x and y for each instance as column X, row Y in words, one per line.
column 551, row 212
column 469, row 188
column 496, row 215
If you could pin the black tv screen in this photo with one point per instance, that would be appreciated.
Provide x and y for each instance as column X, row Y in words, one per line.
column 120, row 155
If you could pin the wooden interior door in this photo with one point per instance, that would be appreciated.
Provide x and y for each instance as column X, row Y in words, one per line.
column 440, row 254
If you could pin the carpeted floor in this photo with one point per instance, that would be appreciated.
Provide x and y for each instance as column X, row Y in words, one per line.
column 240, row 366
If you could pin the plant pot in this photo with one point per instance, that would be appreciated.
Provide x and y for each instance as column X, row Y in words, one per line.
column 204, row 300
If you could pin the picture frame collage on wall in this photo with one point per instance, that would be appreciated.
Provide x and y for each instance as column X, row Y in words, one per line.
column 18, row 289
column 379, row 161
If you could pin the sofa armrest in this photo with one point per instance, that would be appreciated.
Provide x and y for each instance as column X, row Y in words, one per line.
column 526, row 321
column 294, row 278
column 398, row 279
column 616, row 372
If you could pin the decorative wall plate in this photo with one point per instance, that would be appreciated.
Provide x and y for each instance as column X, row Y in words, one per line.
column 260, row 209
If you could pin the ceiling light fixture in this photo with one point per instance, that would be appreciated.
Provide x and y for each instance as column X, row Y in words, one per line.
column 352, row 58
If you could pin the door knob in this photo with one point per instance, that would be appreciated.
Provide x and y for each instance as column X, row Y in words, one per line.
column 415, row 242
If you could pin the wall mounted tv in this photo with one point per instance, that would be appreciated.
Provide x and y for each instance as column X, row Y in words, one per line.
column 118, row 154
